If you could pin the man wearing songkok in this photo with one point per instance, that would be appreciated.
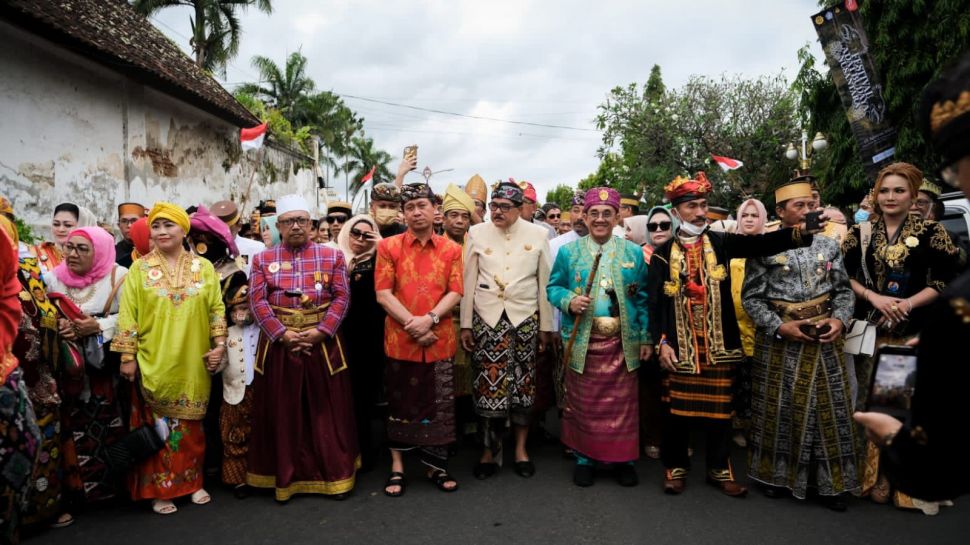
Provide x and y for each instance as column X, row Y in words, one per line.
column 229, row 213
column 459, row 215
column 304, row 437
column 693, row 322
column 800, row 301
column 338, row 212
column 599, row 284
column 505, row 319
column 128, row 213
column 418, row 278
column 529, row 200
column 477, row 189
column 629, row 207
column 385, row 205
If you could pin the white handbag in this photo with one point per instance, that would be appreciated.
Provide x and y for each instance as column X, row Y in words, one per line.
column 860, row 339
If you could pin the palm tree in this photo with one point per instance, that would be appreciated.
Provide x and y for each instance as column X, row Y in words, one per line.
column 215, row 27
column 286, row 89
column 362, row 157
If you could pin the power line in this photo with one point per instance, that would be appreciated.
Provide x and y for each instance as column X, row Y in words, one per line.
column 456, row 114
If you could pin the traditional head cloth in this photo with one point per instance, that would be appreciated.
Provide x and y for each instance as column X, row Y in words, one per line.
column 636, row 229
column 385, row 192
column 412, row 192
column 579, row 198
column 6, row 207
column 931, row 188
column 227, row 211
column 140, row 233
column 131, row 208
column 528, row 191
column 171, row 212
column 797, row 188
column 239, row 296
column 716, row 213
column 477, row 189
column 340, row 206
column 945, row 111
column 203, row 221
column 760, row 210
column 11, row 229
column 508, row 190
column 269, row 224
column 267, row 207
column 683, row 189
column 104, row 258
column 629, row 199
column 565, row 216
column 674, row 222
column 457, row 199
column 291, row 203
column 343, row 241
column 602, row 195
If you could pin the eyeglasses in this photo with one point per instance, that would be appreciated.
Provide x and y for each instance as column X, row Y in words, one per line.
column 339, row 219
column 503, row 206
column 361, row 235
column 553, row 216
column 923, row 202
column 79, row 250
column 606, row 214
column 302, row 222
column 659, row 226
column 127, row 221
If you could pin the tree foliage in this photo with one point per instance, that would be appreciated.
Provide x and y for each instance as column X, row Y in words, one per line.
column 214, row 24
column 562, row 195
column 652, row 134
column 910, row 44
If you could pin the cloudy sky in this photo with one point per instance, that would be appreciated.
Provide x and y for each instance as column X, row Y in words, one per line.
column 534, row 61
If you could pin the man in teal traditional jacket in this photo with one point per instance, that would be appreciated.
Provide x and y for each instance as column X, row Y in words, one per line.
column 610, row 340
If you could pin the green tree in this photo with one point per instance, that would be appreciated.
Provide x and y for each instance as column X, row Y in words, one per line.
column 562, row 195
column 285, row 89
column 910, row 43
column 362, row 157
column 214, row 24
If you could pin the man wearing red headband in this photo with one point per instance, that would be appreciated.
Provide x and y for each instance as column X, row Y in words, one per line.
column 693, row 323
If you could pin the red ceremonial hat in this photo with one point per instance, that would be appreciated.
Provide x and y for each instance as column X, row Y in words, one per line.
column 683, row 189
column 529, row 192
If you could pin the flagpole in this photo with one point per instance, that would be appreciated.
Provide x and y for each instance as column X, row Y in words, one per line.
column 252, row 176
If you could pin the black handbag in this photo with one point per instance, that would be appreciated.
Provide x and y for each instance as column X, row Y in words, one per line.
column 140, row 444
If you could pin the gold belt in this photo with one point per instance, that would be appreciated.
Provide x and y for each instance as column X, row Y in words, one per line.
column 298, row 319
column 818, row 307
column 606, row 326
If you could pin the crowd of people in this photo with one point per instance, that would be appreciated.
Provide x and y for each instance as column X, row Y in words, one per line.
column 189, row 349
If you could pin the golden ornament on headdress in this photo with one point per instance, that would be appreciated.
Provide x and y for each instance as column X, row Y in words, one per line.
column 677, row 182
column 944, row 112
column 604, row 195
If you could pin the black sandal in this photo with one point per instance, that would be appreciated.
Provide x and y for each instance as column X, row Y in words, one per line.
column 395, row 479
column 439, row 477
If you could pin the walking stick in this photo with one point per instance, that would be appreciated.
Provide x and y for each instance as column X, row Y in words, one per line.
column 589, row 288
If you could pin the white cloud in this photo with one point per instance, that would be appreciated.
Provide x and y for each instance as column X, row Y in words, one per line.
column 540, row 61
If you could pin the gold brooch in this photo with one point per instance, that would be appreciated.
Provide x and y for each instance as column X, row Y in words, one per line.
column 911, row 241
column 274, row 267
column 155, row 275
column 604, row 195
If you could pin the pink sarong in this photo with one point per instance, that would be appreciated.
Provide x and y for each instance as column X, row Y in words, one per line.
column 601, row 418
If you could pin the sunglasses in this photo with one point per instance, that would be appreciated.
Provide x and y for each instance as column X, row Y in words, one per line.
column 660, row 226
column 338, row 219
column 553, row 216
column 361, row 235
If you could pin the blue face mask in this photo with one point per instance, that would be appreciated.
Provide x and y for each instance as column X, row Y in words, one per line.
column 861, row 216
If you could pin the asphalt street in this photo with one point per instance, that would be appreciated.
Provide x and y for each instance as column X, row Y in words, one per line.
column 508, row 509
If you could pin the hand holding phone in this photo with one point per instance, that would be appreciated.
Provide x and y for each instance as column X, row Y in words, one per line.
column 893, row 382
column 812, row 222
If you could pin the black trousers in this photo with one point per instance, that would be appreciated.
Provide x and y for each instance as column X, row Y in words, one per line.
column 676, row 440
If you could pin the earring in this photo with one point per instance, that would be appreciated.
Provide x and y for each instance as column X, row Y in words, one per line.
column 201, row 248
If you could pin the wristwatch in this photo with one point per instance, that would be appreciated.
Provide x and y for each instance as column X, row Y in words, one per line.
column 434, row 318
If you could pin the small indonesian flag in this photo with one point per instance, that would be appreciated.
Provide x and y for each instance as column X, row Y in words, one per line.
column 252, row 138
column 727, row 163
column 368, row 177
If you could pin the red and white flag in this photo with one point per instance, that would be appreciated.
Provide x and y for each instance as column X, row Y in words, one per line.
column 252, row 138
column 368, row 177
column 726, row 163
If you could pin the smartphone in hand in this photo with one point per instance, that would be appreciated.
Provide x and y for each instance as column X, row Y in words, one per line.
column 812, row 222
column 893, row 382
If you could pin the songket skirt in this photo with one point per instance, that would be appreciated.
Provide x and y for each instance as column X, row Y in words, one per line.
column 174, row 471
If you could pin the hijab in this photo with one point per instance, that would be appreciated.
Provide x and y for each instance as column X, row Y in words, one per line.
column 274, row 233
column 674, row 222
column 638, row 229
column 762, row 215
column 343, row 241
column 103, row 245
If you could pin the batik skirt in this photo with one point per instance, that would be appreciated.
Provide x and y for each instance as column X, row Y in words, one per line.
column 504, row 365
column 19, row 439
column 235, row 427
column 176, row 469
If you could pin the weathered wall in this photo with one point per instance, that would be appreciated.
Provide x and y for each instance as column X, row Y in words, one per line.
column 71, row 130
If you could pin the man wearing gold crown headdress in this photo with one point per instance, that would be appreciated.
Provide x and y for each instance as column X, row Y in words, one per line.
column 693, row 323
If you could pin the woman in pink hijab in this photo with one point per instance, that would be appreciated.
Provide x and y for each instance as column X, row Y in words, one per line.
column 751, row 219
column 90, row 279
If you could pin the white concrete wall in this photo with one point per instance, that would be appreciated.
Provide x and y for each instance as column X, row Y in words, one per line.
column 71, row 130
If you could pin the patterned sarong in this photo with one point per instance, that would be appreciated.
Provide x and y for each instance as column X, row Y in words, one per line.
column 802, row 429
column 601, row 418
column 174, row 471
column 709, row 394
column 505, row 365
column 420, row 402
column 235, row 427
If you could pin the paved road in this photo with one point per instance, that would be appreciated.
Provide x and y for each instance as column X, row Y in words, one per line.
column 507, row 509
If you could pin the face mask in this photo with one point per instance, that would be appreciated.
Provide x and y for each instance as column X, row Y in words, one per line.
column 692, row 230
column 385, row 216
column 861, row 215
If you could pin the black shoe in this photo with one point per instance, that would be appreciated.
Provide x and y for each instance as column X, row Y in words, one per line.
column 584, row 475
column 525, row 469
column 835, row 503
column 240, row 491
column 483, row 471
column 775, row 492
column 626, row 475
column 339, row 497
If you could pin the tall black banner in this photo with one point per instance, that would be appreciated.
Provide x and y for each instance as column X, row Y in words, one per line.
column 847, row 55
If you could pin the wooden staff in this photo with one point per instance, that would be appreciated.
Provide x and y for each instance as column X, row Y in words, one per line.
column 589, row 289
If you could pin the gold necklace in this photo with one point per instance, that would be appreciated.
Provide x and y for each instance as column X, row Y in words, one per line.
column 80, row 296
